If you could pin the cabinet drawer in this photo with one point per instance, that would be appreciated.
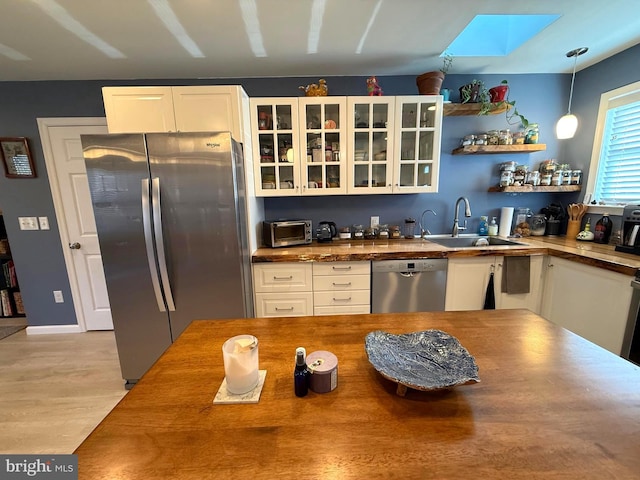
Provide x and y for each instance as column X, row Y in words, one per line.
column 355, row 297
column 342, row 268
column 341, row 309
column 282, row 277
column 341, row 283
column 284, row 304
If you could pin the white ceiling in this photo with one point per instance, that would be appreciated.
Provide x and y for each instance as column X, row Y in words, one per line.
column 396, row 37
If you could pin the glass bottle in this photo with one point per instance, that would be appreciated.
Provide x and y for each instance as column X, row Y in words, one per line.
column 531, row 134
column 409, row 227
column 301, row 374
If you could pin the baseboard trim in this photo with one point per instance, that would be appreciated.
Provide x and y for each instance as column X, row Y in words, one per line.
column 46, row 329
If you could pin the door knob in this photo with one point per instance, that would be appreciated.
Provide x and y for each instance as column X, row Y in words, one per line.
column 74, row 246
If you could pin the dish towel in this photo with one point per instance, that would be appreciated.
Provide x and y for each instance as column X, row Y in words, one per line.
column 515, row 275
column 490, row 296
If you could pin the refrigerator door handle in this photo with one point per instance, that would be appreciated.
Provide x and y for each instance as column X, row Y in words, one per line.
column 157, row 227
column 148, row 241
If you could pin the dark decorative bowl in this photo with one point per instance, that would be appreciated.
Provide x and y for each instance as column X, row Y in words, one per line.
column 427, row 360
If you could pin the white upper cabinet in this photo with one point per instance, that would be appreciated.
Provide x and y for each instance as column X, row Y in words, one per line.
column 139, row 109
column 416, row 153
column 370, row 145
column 206, row 108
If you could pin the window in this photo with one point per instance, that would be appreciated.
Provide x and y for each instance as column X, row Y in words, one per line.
column 614, row 176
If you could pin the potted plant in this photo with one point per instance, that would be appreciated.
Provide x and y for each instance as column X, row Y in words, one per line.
column 474, row 92
column 497, row 98
column 429, row 83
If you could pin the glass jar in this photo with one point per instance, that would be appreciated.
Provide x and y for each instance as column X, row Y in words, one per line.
column 548, row 166
column 468, row 140
column 545, row 179
column 358, row 232
column 518, row 138
column 394, row 231
column 505, row 137
column 566, row 177
column 409, row 227
column 508, row 166
column 556, row 178
column 481, row 139
column 369, row 233
column 344, row 233
column 533, row 178
column 506, row 178
column 520, row 175
column 576, row 177
column 493, row 137
column 531, row 133
column 538, row 224
column 383, row 232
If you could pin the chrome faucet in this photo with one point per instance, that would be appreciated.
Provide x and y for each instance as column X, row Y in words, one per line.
column 423, row 228
column 467, row 213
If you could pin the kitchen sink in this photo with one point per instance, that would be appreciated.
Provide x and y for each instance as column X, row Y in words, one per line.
column 469, row 241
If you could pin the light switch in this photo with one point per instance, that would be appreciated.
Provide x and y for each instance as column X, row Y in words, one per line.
column 44, row 223
column 28, row 223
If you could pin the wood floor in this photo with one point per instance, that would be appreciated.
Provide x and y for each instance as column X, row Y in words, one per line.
column 54, row 389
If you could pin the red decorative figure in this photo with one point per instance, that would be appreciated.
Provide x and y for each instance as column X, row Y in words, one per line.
column 373, row 89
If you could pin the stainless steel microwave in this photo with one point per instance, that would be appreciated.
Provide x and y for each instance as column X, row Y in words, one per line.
column 284, row 233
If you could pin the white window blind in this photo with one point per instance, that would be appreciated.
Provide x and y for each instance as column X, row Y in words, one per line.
column 618, row 180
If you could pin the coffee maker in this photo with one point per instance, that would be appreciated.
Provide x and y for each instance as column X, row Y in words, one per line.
column 630, row 241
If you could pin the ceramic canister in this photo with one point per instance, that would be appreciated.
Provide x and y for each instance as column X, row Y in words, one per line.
column 324, row 371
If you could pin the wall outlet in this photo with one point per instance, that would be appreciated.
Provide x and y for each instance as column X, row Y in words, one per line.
column 44, row 223
column 57, row 296
column 375, row 221
column 28, row 223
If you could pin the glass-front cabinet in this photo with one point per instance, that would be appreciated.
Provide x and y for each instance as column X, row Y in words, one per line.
column 370, row 144
column 276, row 146
column 418, row 126
column 322, row 143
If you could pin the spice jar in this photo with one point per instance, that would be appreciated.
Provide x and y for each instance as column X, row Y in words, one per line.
column 345, row 233
column 556, row 178
column 545, row 179
column 369, row 233
column 468, row 140
column 518, row 138
column 383, row 232
column 520, row 174
column 506, row 178
column 533, row 178
column 358, row 232
column 566, row 177
column 394, row 231
column 576, row 177
column 482, row 139
column 505, row 137
column 508, row 166
column 531, row 134
column 493, row 137
column 548, row 166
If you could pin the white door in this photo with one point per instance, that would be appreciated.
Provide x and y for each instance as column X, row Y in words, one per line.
column 72, row 201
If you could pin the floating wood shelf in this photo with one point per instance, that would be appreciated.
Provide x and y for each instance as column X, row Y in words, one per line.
column 460, row 109
column 489, row 149
column 538, row 189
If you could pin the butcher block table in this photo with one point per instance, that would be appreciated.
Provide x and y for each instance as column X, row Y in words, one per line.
column 549, row 405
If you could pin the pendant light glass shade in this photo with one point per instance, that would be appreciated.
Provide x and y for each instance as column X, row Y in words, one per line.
column 568, row 124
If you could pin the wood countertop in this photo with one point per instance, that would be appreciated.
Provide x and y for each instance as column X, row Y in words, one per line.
column 549, row 405
column 589, row 253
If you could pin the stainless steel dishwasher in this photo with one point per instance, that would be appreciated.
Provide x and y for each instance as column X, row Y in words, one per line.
column 408, row 285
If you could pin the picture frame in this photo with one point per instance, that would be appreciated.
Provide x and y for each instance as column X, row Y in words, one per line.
column 16, row 157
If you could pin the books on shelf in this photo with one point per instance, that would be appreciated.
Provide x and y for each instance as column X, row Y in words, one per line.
column 5, row 301
column 17, row 300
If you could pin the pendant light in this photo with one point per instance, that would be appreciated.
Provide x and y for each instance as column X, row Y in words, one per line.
column 568, row 124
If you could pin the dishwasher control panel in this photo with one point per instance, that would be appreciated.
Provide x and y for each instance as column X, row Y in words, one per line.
column 411, row 265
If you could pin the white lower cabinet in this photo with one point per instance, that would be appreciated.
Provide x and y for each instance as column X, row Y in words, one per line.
column 283, row 289
column 468, row 278
column 322, row 288
column 341, row 288
column 589, row 301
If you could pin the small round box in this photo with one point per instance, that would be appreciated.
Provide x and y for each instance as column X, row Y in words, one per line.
column 323, row 366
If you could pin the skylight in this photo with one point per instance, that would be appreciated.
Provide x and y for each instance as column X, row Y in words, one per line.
column 497, row 35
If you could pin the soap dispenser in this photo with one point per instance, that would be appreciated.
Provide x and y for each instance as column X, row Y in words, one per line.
column 493, row 227
column 483, row 228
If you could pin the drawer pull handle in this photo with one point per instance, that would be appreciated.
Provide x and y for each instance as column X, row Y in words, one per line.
column 348, row 284
column 290, row 277
column 290, row 309
column 341, row 299
column 342, row 268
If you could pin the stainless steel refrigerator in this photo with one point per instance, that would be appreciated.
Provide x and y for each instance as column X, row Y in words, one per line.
column 170, row 217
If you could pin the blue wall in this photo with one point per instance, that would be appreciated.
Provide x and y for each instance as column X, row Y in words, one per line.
column 541, row 98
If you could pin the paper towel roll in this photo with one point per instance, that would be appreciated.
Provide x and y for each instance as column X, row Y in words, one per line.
column 506, row 217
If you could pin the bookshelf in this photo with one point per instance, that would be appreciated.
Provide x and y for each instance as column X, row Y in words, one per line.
column 10, row 296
